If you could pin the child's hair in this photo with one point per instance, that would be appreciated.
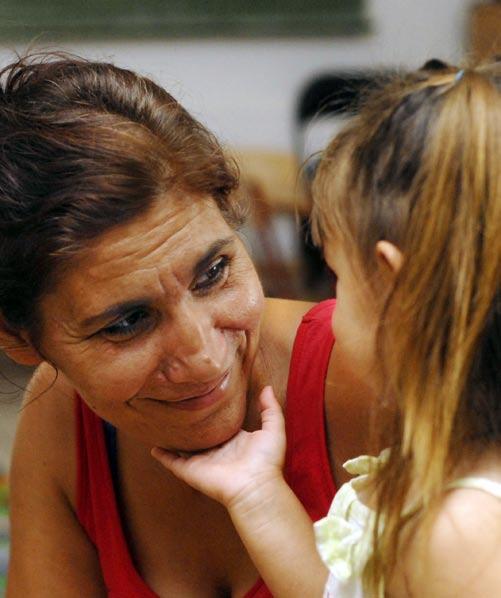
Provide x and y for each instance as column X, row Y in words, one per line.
column 420, row 166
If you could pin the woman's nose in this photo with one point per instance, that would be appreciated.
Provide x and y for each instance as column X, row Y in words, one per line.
column 195, row 350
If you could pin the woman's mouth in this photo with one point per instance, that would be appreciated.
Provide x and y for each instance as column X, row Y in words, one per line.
column 201, row 401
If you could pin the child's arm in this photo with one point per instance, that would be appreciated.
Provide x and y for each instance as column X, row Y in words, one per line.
column 245, row 475
column 278, row 535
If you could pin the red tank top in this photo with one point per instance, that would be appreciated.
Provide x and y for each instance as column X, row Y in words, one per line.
column 307, row 467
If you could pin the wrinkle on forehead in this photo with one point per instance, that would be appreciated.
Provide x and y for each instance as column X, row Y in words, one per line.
column 151, row 256
column 145, row 239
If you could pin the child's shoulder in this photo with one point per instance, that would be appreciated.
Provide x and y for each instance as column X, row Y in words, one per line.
column 460, row 555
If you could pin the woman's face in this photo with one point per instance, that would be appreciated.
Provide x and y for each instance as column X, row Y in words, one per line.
column 157, row 325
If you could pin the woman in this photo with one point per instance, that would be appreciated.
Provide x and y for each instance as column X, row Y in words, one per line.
column 124, row 278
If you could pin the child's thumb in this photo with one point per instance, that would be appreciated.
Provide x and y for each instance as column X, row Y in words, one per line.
column 271, row 412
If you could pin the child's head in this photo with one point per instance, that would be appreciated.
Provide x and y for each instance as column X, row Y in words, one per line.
column 410, row 193
column 367, row 186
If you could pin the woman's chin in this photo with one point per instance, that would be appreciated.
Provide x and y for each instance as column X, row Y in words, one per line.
column 206, row 439
column 217, row 438
column 204, row 445
column 198, row 445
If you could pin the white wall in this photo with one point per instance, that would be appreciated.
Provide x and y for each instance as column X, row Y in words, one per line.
column 245, row 90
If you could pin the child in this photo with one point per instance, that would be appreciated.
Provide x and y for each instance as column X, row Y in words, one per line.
column 408, row 211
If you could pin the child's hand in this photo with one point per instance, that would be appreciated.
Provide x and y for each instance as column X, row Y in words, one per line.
column 241, row 466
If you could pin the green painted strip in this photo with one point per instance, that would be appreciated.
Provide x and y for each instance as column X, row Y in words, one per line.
column 62, row 19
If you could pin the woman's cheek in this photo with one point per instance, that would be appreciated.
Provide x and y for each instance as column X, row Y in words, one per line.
column 244, row 290
column 239, row 304
column 115, row 374
column 252, row 305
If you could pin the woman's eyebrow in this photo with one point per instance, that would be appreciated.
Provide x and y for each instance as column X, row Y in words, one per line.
column 205, row 261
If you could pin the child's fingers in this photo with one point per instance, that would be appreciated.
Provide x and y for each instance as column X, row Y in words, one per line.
column 271, row 412
column 267, row 399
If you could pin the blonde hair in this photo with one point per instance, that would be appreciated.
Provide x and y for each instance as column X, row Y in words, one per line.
column 420, row 166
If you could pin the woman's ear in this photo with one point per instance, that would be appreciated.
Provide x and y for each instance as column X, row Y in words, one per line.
column 17, row 346
column 389, row 256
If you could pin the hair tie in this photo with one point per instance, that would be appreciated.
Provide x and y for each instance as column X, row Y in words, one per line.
column 459, row 75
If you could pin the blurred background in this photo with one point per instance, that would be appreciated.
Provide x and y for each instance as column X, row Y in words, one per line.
column 272, row 78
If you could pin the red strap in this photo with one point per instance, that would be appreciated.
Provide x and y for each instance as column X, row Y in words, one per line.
column 98, row 512
column 308, row 469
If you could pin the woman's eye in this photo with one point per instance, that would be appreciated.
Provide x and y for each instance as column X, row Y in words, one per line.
column 128, row 327
column 214, row 274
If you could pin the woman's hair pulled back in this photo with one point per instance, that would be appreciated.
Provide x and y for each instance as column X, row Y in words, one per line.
column 86, row 146
column 420, row 166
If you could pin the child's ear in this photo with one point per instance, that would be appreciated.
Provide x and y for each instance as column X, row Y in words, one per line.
column 17, row 346
column 389, row 256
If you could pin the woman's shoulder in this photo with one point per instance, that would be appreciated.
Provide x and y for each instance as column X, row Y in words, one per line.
column 45, row 434
column 279, row 324
column 282, row 318
column 49, row 396
column 287, row 308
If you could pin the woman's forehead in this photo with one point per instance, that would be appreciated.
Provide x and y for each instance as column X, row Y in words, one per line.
column 168, row 243
column 170, row 222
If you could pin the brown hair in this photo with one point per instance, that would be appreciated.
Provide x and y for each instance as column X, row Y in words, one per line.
column 420, row 167
column 86, row 146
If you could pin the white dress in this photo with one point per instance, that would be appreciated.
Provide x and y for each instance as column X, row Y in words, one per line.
column 344, row 536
